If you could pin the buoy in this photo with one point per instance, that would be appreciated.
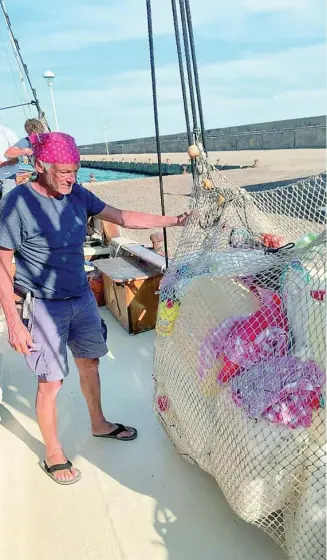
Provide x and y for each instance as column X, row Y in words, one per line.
column 193, row 151
column 220, row 200
column 168, row 312
column 207, row 184
column 163, row 403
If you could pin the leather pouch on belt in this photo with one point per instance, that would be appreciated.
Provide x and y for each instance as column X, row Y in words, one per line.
column 24, row 300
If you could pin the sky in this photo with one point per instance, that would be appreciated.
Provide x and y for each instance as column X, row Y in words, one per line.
column 259, row 60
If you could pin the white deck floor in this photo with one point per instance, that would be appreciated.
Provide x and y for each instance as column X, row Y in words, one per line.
column 136, row 501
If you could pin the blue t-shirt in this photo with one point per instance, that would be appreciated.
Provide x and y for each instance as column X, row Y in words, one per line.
column 47, row 235
column 28, row 164
column 10, row 171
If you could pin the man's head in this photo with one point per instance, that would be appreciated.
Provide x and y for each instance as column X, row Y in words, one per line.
column 57, row 161
column 58, row 178
column 34, row 126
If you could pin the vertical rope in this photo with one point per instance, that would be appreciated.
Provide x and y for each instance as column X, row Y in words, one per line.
column 196, row 73
column 182, row 78
column 188, row 63
column 181, row 71
column 156, row 119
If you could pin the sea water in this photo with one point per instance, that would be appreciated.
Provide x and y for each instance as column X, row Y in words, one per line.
column 105, row 175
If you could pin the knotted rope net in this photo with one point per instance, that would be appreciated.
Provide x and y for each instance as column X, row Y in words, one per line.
column 240, row 360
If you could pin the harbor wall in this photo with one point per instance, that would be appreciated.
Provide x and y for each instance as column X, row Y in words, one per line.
column 308, row 132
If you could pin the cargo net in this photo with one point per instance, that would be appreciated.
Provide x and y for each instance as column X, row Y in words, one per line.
column 240, row 354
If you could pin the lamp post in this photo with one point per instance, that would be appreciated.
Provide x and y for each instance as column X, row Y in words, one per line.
column 106, row 139
column 49, row 76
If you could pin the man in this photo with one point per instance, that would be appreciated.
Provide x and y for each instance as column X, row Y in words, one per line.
column 8, row 169
column 44, row 225
column 22, row 148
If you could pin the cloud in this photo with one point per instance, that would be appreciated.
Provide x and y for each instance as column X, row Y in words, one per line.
column 114, row 21
column 79, row 27
column 294, row 66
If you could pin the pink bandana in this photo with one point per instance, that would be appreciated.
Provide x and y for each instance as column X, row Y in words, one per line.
column 54, row 147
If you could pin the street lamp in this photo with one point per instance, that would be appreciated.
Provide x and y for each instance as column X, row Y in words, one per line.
column 49, row 77
column 104, row 126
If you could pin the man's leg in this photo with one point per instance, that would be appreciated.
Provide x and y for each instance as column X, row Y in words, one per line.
column 46, row 411
column 49, row 323
column 90, row 384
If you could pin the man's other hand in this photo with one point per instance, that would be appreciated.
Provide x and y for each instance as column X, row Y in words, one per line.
column 20, row 338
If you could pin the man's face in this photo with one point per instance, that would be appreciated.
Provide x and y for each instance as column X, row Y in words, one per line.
column 60, row 177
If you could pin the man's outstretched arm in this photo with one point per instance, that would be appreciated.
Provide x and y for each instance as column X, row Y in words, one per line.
column 140, row 220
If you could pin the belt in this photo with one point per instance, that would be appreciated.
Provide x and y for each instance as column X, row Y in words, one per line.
column 58, row 299
column 24, row 292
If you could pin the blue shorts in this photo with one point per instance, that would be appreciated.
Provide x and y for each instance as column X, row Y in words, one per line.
column 56, row 324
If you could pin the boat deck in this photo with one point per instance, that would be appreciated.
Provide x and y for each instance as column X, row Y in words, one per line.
column 136, row 501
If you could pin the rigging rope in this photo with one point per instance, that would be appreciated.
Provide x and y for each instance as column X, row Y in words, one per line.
column 182, row 78
column 191, row 68
column 19, row 68
column 20, row 72
column 195, row 71
column 188, row 63
column 156, row 119
column 24, row 66
column 19, row 105
column 181, row 71
column 4, row 49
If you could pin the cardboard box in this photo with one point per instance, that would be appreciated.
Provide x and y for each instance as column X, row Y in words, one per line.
column 130, row 292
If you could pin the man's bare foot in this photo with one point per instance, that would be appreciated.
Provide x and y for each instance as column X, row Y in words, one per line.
column 59, row 458
column 105, row 428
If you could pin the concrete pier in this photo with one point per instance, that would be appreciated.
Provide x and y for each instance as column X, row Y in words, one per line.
column 262, row 165
column 144, row 168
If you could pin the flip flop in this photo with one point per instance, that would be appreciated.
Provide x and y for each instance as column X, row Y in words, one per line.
column 60, row 467
column 115, row 433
